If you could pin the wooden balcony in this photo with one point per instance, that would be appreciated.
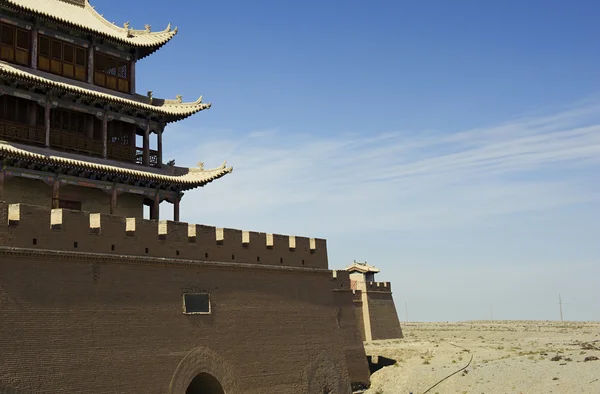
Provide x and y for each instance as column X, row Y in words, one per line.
column 15, row 132
column 73, row 142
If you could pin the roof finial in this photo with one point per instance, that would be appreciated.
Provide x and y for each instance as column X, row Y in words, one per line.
column 148, row 28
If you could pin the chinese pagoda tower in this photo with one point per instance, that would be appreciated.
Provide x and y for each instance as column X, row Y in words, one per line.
column 70, row 115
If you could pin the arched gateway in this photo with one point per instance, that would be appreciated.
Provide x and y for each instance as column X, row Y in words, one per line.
column 205, row 383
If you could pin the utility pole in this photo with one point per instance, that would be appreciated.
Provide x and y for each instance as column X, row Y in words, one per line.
column 560, row 306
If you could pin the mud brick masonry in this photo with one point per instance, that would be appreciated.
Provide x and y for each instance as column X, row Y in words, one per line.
column 96, row 298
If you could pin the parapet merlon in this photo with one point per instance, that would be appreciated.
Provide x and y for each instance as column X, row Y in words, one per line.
column 30, row 226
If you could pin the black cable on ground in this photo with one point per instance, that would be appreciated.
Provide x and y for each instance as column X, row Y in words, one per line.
column 454, row 373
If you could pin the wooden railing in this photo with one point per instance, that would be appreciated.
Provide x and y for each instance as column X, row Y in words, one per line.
column 75, row 143
column 15, row 132
column 121, row 153
column 153, row 158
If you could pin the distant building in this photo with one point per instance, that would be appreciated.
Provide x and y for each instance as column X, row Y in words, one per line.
column 376, row 313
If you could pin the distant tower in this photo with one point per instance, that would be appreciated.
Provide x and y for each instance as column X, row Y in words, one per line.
column 373, row 304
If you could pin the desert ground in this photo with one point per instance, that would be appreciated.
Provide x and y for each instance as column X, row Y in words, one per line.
column 507, row 357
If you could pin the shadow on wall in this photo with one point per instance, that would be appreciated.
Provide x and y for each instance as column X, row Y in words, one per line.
column 378, row 362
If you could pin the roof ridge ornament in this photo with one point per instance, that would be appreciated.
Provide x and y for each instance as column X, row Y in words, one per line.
column 148, row 28
column 179, row 98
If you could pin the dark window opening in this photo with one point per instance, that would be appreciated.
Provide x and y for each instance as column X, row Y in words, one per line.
column 72, row 205
column 61, row 58
column 197, row 303
column 112, row 72
column 14, row 44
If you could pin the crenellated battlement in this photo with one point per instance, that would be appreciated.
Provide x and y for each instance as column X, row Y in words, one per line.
column 379, row 286
column 60, row 229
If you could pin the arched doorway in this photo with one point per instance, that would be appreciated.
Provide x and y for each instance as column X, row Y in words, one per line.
column 205, row 384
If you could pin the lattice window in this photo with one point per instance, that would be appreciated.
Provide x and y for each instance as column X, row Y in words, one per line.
column 112, row 72
column 62, row 58
column 14, row 44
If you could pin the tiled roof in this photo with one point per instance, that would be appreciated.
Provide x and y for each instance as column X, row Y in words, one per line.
column 84, row 17
column 361, row 267
column 188, row 178
column 173, row 109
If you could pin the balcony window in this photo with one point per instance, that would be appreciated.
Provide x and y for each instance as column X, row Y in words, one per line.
column 112, row 72
column 61, row 58
column 14, row 44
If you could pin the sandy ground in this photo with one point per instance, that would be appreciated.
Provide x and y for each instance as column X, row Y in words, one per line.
column 507, row 357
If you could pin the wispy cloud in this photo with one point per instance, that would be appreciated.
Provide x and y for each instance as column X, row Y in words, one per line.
column 320, row 185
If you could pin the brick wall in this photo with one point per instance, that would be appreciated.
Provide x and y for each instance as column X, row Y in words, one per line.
column 77, row 322
column 358, row 312
column 384, row 317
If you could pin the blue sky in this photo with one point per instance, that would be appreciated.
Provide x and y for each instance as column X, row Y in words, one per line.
column 455, row 145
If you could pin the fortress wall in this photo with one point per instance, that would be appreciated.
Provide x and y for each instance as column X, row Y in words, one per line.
column 379, row 286
column 39, row 227
column 384, row 317
column 358, row 368
column 107, row 323
column 358, row 312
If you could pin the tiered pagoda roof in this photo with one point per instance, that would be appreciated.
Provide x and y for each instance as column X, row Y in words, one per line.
column 173, row 110
column 183, row 178
column 80, row 15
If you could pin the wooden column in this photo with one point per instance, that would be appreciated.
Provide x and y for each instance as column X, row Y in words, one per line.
column 113, row 201
column 176, row 211
column 159, row 144
column 47, row 122
column 105, row 136
column 1, row 184
column 155, row 211
column 34, row 48
column 146, row 156
column 56, row 193
column 90, row 70
column 132, row 77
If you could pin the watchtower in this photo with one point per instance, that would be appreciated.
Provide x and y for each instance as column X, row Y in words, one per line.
column 374, row 306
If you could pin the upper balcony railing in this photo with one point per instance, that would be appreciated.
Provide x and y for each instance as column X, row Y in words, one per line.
column 22, row 133
column 70, row 142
